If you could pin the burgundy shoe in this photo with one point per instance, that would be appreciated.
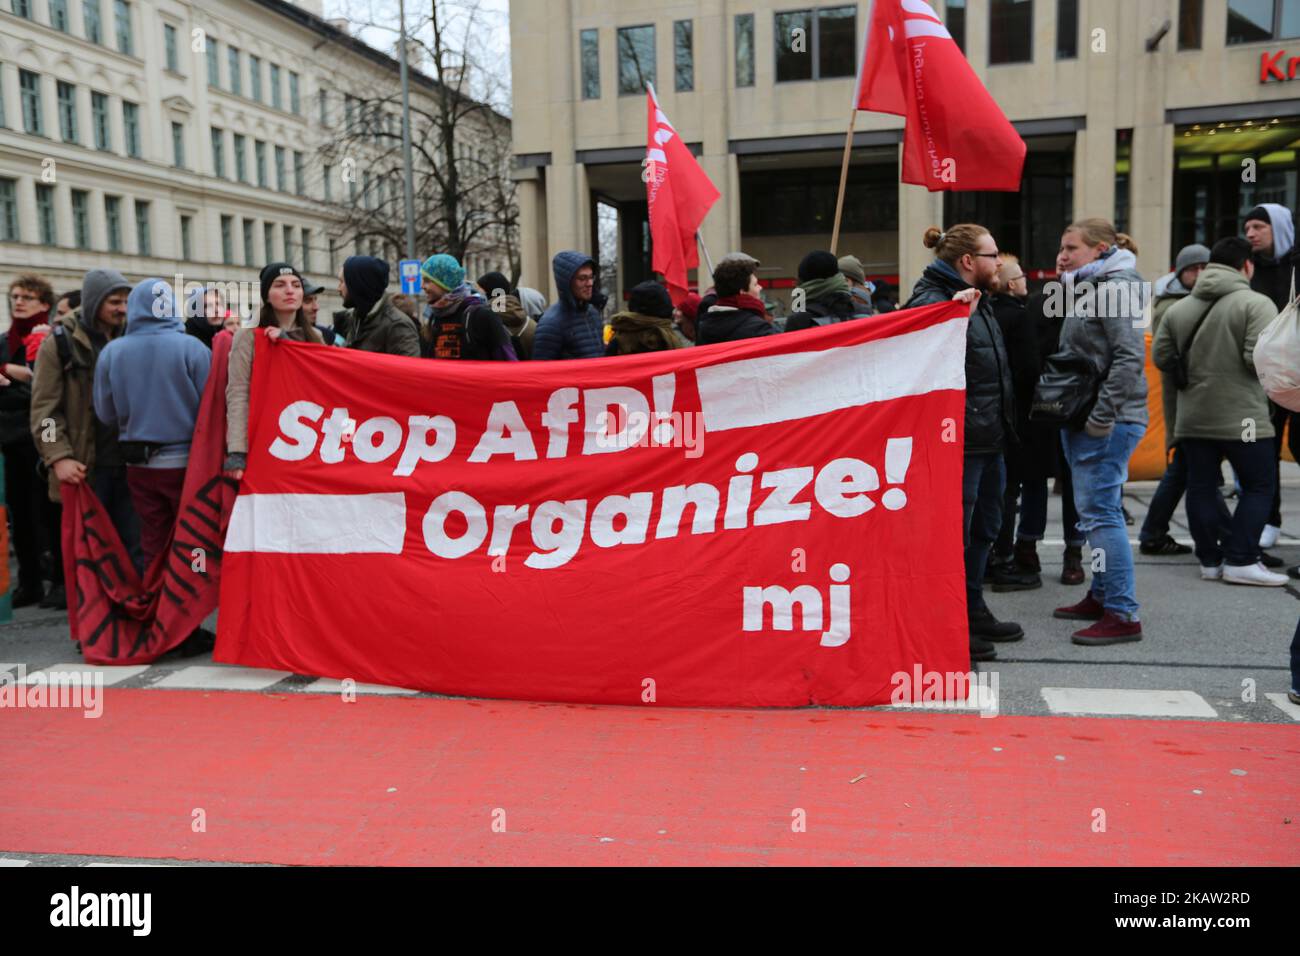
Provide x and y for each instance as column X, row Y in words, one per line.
column 1111, row 629
column 1089, row 609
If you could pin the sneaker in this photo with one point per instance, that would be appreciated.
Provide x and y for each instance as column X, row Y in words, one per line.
column 1089, row 609
column 1270, row 562
column 1111, row 629
column 1294, row 572
column 1072, row 569
column 984, row 624
column 1269, row 536
column 1214, row 573
column 1255, row 574
column 56, row 599
column 1009, row 577
column 1026, row 557
column 982, row 650
column 1165, row 547
column 1293, row 697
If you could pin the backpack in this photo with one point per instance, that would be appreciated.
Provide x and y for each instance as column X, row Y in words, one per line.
column 1277, row 356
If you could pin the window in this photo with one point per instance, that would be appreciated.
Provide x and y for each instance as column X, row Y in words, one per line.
column 288, row 243
column 122, row 19
column 955, row 20
column 113, row 220
column 29, row 85
column 59, row 15
column 816, row 47
column 775, row 203
column 745, row 49
column 250, row 253
column 793, row 37
column 324, row 107
column 277, row 99
column 259, row 161
column 1011, row 27
column 1255, row 21
column 228, row 240
column 334, row 255
column 1067, row 29
column 169, row 48
column 143, row 241
column 306, row 249
column 232, row 64
column 1123, row 170
column 327, row 180
column 589, row 40
column 636, row 59
column 178, row 145
column 22, row 8
column 255, row 77
column 67, row 94
column 8, row 210
column 90, row 20
column 45, row 214
column 214, row 63
column 295, row 104
column 131, row 128
column 241, row 159
column 81, row 218
column 268, row 241
column 187, row 238
column 218, row 152
column 281, row 181
column 683, row 56
column 299, row 174
column 837, row 42
column 366, row 196
column 99, row 119
column 349, row 111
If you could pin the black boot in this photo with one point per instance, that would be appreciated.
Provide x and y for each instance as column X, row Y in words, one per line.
column 56, row 599
column 27, row 595
column 984, row 624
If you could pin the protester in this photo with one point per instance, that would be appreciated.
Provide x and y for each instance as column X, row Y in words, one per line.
column 68, row 302
column 1270, row 230
column 1015, row 567
column 284, row 316
column 52, row 511
column 571, row 327
column 76, row 446
column 885, row 298
column 311, row 300
column 685, row 316
column 148, row 383
column 826, row 294
column 1154, row 538
column 735, row 311
column 647, row 325
column 1104, row 299
column 861, row 290
column 966, row 258
column 373, row 323
column 406, row 304
column 462, row 326
column 1213, row 334
column 534, row 303
column 205, row 314
column 30, row 299
column 509, row 308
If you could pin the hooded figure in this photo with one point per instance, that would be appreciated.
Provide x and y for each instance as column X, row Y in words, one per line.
column 373, row 323
column 1274, row 267
column 510, row 309
column 570, row 328
column 647, row 326
column 197, row 323
column 534, row 302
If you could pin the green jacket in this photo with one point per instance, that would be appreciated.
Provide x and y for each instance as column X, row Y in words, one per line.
column 1223, row 395
column 385, row 329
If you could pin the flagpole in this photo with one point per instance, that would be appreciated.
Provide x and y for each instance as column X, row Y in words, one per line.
column 707, row 258
column 844, row 179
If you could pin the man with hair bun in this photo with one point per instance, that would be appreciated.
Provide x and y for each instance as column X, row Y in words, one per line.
column 966, row 262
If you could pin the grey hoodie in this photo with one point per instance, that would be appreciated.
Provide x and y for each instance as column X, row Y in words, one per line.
column 1104, row 322
column 96, row 286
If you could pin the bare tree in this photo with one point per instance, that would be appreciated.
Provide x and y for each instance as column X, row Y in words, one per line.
column 465, row 200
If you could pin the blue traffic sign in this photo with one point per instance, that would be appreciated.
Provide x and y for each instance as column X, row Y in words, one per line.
column 412, row 281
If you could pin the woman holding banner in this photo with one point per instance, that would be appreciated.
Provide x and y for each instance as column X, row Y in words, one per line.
column 281, row 316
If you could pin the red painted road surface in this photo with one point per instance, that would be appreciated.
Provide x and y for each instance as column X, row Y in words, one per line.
column 310, row 779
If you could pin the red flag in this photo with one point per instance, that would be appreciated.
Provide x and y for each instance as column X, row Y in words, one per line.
column 679, row 194
column 957, row 137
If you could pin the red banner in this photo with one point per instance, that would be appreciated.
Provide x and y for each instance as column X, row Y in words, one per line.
column 119, row 618
column 772, row 522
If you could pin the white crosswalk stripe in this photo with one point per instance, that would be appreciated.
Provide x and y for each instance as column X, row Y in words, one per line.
column 11, row 861
column 328, row 685
column 221, row 677
column 110, row 675
column 1130, row 703
column 1283, row 703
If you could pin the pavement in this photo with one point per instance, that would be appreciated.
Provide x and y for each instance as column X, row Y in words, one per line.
column 1101, row 756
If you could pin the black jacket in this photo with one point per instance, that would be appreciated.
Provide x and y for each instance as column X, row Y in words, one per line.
column 1030, row 338
column 1273, row 277
column 15, row 402
column 836, row 307
column 724, row 324
column 990, row 402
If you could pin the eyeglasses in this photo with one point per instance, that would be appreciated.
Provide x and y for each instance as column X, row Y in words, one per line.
column 24, row 297
column 987, row 255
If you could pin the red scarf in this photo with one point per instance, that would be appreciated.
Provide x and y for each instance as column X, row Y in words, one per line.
column 19, row 329
column 743, row 301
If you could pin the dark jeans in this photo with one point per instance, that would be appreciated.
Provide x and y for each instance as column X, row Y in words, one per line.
column 1254, row 464
column 1027, row 499
column 983, row 480
column 25, row 493
column 110, row 487
column 156, row 493
column 1074, row 537
column 1280, row 416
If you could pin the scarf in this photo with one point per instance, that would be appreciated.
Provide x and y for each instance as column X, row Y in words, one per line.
column 19, row 329
column 1085, row 272
column 635, row 332
column 743, row 300
column 462, row 297
column 818, row 289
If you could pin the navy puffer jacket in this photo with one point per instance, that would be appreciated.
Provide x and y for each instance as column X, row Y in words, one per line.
column 565, row 330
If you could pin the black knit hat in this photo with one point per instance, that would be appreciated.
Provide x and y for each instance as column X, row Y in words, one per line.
column 818, row 265
column 650, row 298
column 1259, row 214
column 273, row 272
column 489, row 282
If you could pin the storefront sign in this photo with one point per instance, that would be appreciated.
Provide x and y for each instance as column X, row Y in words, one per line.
column 1277, row 66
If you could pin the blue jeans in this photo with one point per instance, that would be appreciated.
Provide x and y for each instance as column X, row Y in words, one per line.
column 983, row 480
column 109, row 485
column 1255, row 466
column 1099, row 467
